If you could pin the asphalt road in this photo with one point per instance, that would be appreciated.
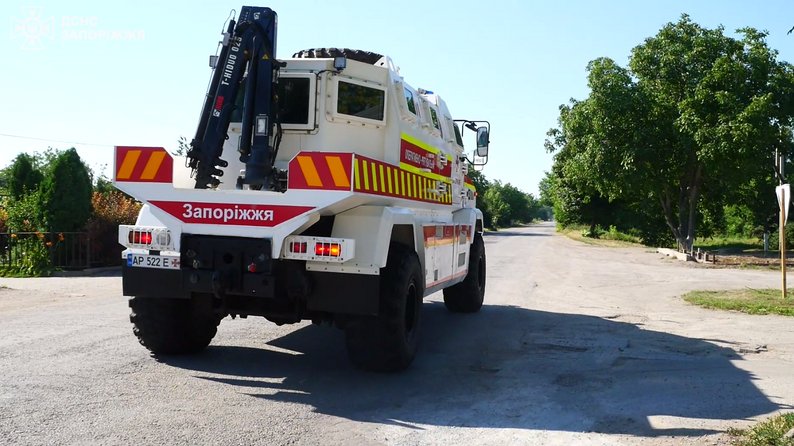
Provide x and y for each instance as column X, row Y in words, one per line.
column 576, row 345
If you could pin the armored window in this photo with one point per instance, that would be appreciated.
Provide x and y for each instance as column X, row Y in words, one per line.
column 360, row 101
column 434, row 117
column 293, row 100
column 409, row 99
column 458, row 137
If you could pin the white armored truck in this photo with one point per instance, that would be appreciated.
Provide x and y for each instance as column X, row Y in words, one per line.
column 320, row 187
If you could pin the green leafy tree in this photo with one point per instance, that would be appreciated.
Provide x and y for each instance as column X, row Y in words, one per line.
column 692, row 116
column 66, row 193
column 481, row 185
column 23, row 176
column 499, row 210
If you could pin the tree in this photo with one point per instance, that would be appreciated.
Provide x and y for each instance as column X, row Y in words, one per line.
column 695, row 113
column 547, row 190
column 23, row 176
column 66, row 193
column 481, row 185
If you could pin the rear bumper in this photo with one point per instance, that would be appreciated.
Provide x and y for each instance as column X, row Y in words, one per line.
column 336, row 293
column 151, row 282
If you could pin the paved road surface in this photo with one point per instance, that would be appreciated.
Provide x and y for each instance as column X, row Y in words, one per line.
column 576, row 345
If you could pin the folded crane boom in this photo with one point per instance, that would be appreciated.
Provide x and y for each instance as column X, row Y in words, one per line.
column 249, row 47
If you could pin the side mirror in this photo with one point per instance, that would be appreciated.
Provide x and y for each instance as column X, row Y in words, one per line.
column 482, row 141
column 213, row 61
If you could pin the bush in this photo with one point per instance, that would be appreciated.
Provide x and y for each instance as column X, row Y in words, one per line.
column 33, row 250
column 111, row 209
column 23, row 176
column 774, row 238
column 66, row 193
column 3, row 219
column 24, row 214
column 612, row 233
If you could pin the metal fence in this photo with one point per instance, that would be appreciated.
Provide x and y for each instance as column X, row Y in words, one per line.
column 65, row 250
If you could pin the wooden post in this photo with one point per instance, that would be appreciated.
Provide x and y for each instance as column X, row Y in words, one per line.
column 783, row 240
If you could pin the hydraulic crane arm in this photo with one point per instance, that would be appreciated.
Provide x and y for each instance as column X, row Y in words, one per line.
column 249, row 46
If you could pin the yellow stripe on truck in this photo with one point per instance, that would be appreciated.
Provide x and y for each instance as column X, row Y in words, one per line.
column 128, row 165
column 337, row 171
column 152, row 166
column 309, row 171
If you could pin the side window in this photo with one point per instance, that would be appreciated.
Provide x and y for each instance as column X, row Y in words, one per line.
column 434, row 118
column 293, row 100
column 409, row 99
column 458, row 138
column 360, row 101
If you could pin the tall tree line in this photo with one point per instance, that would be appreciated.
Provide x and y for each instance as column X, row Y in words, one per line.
column 688, row 128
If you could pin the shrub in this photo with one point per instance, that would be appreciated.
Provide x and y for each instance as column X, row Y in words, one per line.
column 33, row 253
column 24, row 214
column 111, row 209
column 774, row 238
column 66, row 193
column 23, row 176
column 3, row 219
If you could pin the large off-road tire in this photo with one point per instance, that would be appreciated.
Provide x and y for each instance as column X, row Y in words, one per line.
column 174, row 326
column 388, row 342
column 329, row 53
column 467, row 296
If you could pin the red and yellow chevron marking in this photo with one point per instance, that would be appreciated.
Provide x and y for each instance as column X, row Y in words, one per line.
column 143, row 165
column 320, row 170
column 379, row 178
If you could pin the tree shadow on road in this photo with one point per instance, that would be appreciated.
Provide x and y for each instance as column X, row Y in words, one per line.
column 509, row 233
column 505, row 367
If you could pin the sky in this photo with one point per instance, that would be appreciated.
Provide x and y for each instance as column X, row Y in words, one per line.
column 94, row 74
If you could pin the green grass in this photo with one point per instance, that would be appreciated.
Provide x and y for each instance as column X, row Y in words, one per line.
column 750, row 301
column 765, row 433
column 733, row 244
column 609, row 238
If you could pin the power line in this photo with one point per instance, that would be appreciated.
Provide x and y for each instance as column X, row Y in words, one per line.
column 56, row 140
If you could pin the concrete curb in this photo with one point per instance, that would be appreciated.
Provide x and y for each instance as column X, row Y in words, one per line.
column 673, row 253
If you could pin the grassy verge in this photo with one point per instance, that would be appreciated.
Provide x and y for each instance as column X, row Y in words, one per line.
column 733, row 244
column 750, row 301
column 610, row 238
column 766, row 433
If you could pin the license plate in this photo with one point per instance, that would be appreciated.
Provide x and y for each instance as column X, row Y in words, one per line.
column 152, row 261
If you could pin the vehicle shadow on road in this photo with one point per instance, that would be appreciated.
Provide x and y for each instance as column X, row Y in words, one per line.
column 505, row 367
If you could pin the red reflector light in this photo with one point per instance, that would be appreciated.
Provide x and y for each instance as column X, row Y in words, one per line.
column 328, row 249
column 299, row 247
column 140, row 237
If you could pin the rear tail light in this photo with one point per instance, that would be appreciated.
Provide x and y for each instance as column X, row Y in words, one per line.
column 327, row 249
column 319, row 249
column 146, row 237
column 140, row 237
column 299, row 247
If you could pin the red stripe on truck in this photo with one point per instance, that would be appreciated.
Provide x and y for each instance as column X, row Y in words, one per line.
column 230, row 213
